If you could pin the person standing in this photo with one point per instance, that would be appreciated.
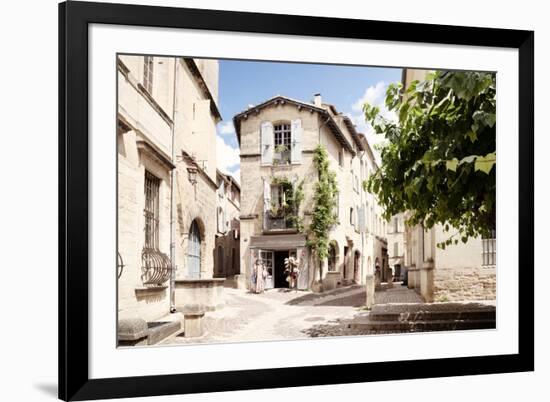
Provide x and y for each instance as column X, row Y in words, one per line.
column 260, row 274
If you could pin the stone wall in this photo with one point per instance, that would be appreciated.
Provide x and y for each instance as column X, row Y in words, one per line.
column 471, row 283
column 229, row 264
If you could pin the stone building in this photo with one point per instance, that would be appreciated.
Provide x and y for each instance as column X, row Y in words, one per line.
column 227, row 255
column 167, row 110
column 277, row 142
column 396, row 245
column 465, row 271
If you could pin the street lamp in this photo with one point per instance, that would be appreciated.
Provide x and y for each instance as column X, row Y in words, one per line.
column 192, row 175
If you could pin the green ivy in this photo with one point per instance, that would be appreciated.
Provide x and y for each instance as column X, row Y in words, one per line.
column 325, row 199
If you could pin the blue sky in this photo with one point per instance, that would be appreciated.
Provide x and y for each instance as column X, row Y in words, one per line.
column 249, row 82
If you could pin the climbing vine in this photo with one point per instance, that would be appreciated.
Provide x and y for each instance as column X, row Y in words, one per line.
column 325, row 205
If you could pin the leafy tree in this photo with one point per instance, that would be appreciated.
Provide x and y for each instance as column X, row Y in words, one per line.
column 439, row 157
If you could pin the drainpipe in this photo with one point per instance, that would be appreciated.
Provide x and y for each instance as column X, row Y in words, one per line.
column 361, row 191
column 172, row 198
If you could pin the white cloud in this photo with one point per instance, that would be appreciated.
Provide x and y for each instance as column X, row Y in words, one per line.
column 228, row 159
column 375, row 96
column 226, row 128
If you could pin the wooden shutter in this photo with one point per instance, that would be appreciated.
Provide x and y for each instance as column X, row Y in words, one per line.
column 266, row 142
column 296, row 141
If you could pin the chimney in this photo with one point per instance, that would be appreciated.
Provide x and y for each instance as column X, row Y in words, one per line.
column 317, row 100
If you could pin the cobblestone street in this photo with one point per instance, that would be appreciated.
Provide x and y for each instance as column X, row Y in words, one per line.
column 282, row 314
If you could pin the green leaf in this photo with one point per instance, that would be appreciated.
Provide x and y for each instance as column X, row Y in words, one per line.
column 468, row 159
column 472, row 136
column 485, row 163
column 452, row 164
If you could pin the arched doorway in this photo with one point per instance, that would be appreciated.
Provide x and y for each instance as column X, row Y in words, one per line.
column 219, row 267
column 194, row 252
column 332, row 257
column 377, row 269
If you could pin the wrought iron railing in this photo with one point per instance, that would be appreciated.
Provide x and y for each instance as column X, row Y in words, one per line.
column 279, row 222
column 156, row 267
column 120, row 265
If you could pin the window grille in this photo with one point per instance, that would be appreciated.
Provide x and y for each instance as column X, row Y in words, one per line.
column 151, row 210
column 148, row 66
column 489, row 252
column 156, row 266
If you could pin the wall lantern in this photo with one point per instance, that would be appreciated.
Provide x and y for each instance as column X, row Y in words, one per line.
column 192, row 175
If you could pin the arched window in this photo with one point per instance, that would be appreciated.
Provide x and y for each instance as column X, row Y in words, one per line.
column 194, row 252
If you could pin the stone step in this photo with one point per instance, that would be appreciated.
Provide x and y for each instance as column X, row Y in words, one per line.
column 373, row 326
column 434, row 315
column 159, row 330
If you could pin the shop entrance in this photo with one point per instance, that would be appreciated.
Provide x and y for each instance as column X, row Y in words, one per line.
column 280, row 277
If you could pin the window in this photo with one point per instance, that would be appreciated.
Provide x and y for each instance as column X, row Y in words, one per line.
column 194, row 252
column 489, row 252
column 341, row 158
column 395, row 224
column 151, row 211
column 395, row 249
column 277, row 197
column 148, row 73
column 351, row 220
column 267, row 259
column 282, row 140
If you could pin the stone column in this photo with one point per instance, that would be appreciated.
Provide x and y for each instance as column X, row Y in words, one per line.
column 427, row 281
column 411, row 277
column 369, row 287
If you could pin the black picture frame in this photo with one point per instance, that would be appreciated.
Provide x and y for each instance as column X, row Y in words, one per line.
column 74, row 18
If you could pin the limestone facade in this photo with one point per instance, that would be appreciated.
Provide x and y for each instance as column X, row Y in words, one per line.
column 277, row 142
column 167, row 109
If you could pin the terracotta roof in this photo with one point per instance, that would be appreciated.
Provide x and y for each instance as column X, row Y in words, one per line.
column 229, row 178
column 331, row 123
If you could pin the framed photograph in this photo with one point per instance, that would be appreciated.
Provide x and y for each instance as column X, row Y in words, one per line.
column 260, row 201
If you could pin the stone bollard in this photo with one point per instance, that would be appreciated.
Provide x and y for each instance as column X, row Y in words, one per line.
column 132, row 332
column 369, row 287
column 193, row 316
column 377, row 281
column 389, row 275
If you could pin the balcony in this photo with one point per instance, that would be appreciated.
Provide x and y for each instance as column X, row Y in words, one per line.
column 279, row 223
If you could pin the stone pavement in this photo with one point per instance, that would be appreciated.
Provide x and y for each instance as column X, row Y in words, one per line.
column 280, row 314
